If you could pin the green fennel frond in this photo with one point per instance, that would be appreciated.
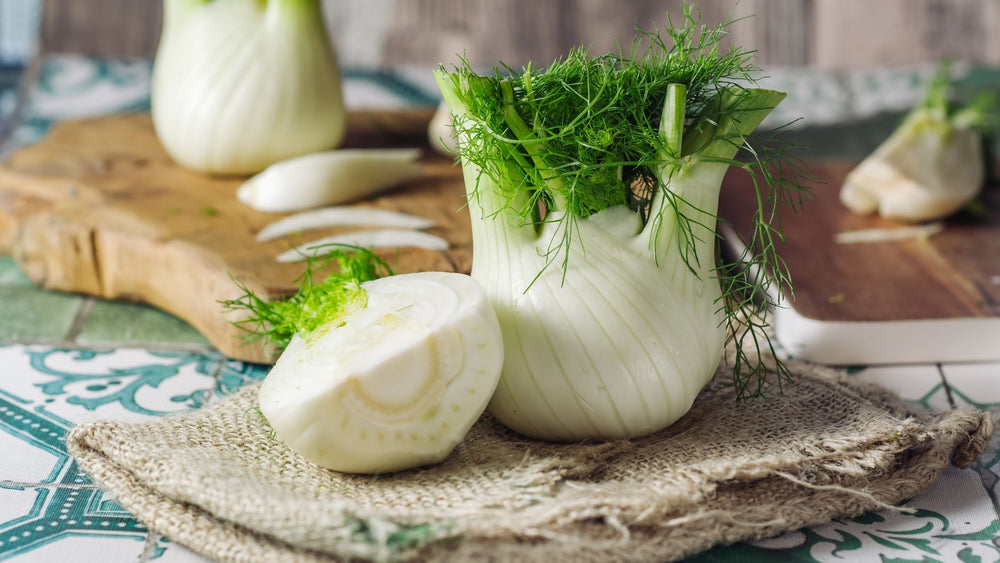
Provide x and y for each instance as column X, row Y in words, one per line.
column 316, row 303
column 981, row 112
column 581, row 135
column 754, row 277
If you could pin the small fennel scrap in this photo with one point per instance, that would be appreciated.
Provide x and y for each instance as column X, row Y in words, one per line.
column 378, row 374
column 593, row 187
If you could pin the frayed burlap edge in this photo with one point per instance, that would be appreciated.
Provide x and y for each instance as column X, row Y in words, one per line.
column 750, row 499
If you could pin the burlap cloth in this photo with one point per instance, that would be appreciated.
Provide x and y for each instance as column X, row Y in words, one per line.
column 215, row 481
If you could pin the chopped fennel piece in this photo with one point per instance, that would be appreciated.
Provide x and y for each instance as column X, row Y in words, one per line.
column 344, row 216
column 382, row 238
column 890, row 234
column 328, row 178
column 392, row 385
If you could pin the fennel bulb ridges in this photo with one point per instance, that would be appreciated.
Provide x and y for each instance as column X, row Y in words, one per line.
column 239, row 84
column 394, row 385
column 594, row 355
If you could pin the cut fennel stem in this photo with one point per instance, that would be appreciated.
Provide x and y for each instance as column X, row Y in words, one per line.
column 241, row 84
column 394, row 385
column 620, row 339
column 328, row 178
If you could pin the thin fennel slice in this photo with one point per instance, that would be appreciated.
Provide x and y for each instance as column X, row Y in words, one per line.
column 923, row 231
column 342, row 216
column 394, row 385
column 328, row 178
column 381, row 238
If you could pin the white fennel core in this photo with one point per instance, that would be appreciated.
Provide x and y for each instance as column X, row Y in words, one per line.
column 392, row 386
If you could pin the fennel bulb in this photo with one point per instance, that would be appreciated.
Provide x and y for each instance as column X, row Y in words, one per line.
column 931, row 166
column 241, row 84
column 593, row 188
column 378, row 374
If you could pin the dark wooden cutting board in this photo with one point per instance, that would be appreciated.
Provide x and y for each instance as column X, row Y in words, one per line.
column 97, row 207
column 928, row 299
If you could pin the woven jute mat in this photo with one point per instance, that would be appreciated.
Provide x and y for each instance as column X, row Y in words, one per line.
column 216, row 481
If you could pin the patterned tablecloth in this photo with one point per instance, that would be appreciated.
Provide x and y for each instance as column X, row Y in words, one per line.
column 67, row 359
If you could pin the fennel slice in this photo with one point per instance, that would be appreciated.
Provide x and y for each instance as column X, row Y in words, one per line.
column 328, row 178
column 342, row 216
column 380, row 238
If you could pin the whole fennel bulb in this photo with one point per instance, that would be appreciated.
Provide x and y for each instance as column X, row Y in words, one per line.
column 593, row 189
column 241, row 84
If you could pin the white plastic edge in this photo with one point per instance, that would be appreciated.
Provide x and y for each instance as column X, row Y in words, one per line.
column 887, row 342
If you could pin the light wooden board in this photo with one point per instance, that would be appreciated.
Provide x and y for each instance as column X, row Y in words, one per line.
column 99, row 208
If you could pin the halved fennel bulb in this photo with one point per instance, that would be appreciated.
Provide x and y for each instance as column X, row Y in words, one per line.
column 394, row 385
column 927, row 169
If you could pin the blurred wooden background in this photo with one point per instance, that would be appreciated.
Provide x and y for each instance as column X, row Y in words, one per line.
column 383, row 33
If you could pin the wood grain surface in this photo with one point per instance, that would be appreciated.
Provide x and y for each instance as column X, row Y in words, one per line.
column 387, row 33
column 951, row 275
column 99, row 208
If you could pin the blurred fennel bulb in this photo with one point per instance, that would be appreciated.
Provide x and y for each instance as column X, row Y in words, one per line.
column 241, row 84
column 932, row 165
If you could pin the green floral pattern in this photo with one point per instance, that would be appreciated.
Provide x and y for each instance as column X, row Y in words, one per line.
column 118, row 385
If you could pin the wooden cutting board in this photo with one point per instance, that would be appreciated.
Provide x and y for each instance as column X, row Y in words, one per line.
column 98, row 208
column 926, row 300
